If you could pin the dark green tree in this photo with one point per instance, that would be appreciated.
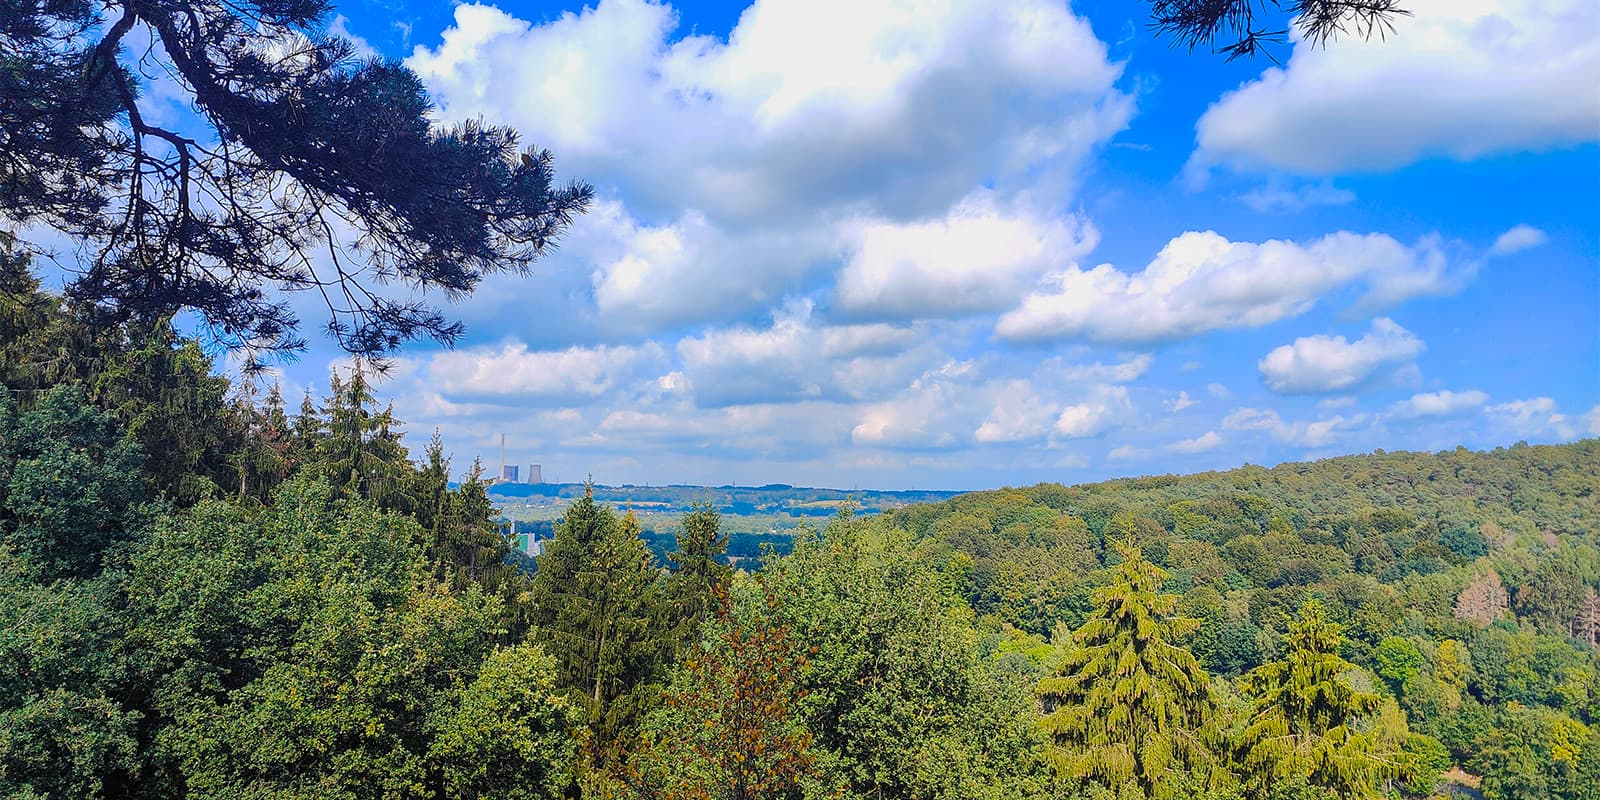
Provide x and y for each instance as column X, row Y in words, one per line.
column 596, row 599
column 300, row 139
column 70, row 506
column 308, row 652
column 70, row 492
column 361, row 454
column 698, row 577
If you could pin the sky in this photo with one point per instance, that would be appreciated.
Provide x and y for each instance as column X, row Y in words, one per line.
column 959, row 244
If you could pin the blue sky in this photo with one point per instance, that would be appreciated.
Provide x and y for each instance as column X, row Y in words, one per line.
column 961, row 244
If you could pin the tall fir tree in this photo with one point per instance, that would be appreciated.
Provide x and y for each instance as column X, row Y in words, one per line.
column 699, row 577
column 1308, row 724
column 596, row 599
column 361, row 454
column 1128, row 705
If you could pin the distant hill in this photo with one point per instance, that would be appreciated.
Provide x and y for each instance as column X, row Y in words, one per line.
column 772, row 498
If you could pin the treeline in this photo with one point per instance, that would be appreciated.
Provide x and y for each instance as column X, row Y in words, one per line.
column 205, row 594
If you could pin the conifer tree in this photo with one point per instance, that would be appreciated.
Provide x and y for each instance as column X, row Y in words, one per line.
column 1128, row 704
column 693, row 589
column 361, row 454
column 1308, row 724
column 596, row 597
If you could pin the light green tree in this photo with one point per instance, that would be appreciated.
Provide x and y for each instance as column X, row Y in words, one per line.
column 1307, row 722
column 1127, row 707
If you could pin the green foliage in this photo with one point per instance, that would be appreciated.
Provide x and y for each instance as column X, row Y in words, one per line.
column 699, row 577
column 1398, row 662
column 360, row 454
column 308, row 653
column 509, row 736
column 64, row 731
column 896, row 695
column 729, row 726
column 1538, row 753
column 596, row 597
column 69, row 485
column 1309, row 724
column 1128, row 703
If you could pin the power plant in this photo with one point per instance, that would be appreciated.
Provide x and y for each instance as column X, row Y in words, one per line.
column 511, row 473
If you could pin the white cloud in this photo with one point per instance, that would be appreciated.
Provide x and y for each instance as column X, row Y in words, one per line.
column 796, row 358
column 1313, row 433
column 1276, row 197
column 1019, row 413
column 1534, row 416
column 1218, row 391
column 976, row 258
column 750, row 163
column 514, row 372
column 1126, row 371
column 1210, row 440
column 1202, row 281
column 1181, row 402
column 1127, row 452
column 919, row 419
column 1592, row 421
column 1520, row 238
column 693, row 270
column 1317, row 364
column 792, row 110
column 1437, row 404
column 1101, row 411
column 1461, row 79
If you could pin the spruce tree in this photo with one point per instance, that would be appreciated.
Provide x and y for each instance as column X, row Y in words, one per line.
column 693, row 590
column 361, row 454
column 1127, row 705
column 595, row 597
column 1308, row 724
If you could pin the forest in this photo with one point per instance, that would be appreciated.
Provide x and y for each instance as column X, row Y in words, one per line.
column 205, row 593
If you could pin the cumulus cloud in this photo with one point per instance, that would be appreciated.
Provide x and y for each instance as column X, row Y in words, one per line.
column 1202, row 282
column 1437, row 404
column 1018, row 414
column 746, row 162
column 977, row 258
column 1456, row 79
column 513, row 372
column 692, row 270
column 1592, row 421
column 1534, row 416
column 1181, row 402
column 1308, row 433
column 1096, row 414
column 797, row 358
column 1520, row 238
column 1320, row 364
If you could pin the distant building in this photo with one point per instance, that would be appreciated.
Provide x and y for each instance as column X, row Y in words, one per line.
column 508, row 473
column 529, row 543
column 535, row 473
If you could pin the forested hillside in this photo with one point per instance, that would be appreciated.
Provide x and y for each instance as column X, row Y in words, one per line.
column 207, row 594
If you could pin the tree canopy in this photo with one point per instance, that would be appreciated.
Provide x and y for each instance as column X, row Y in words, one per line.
column 308, row 168
column 1241, row 28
